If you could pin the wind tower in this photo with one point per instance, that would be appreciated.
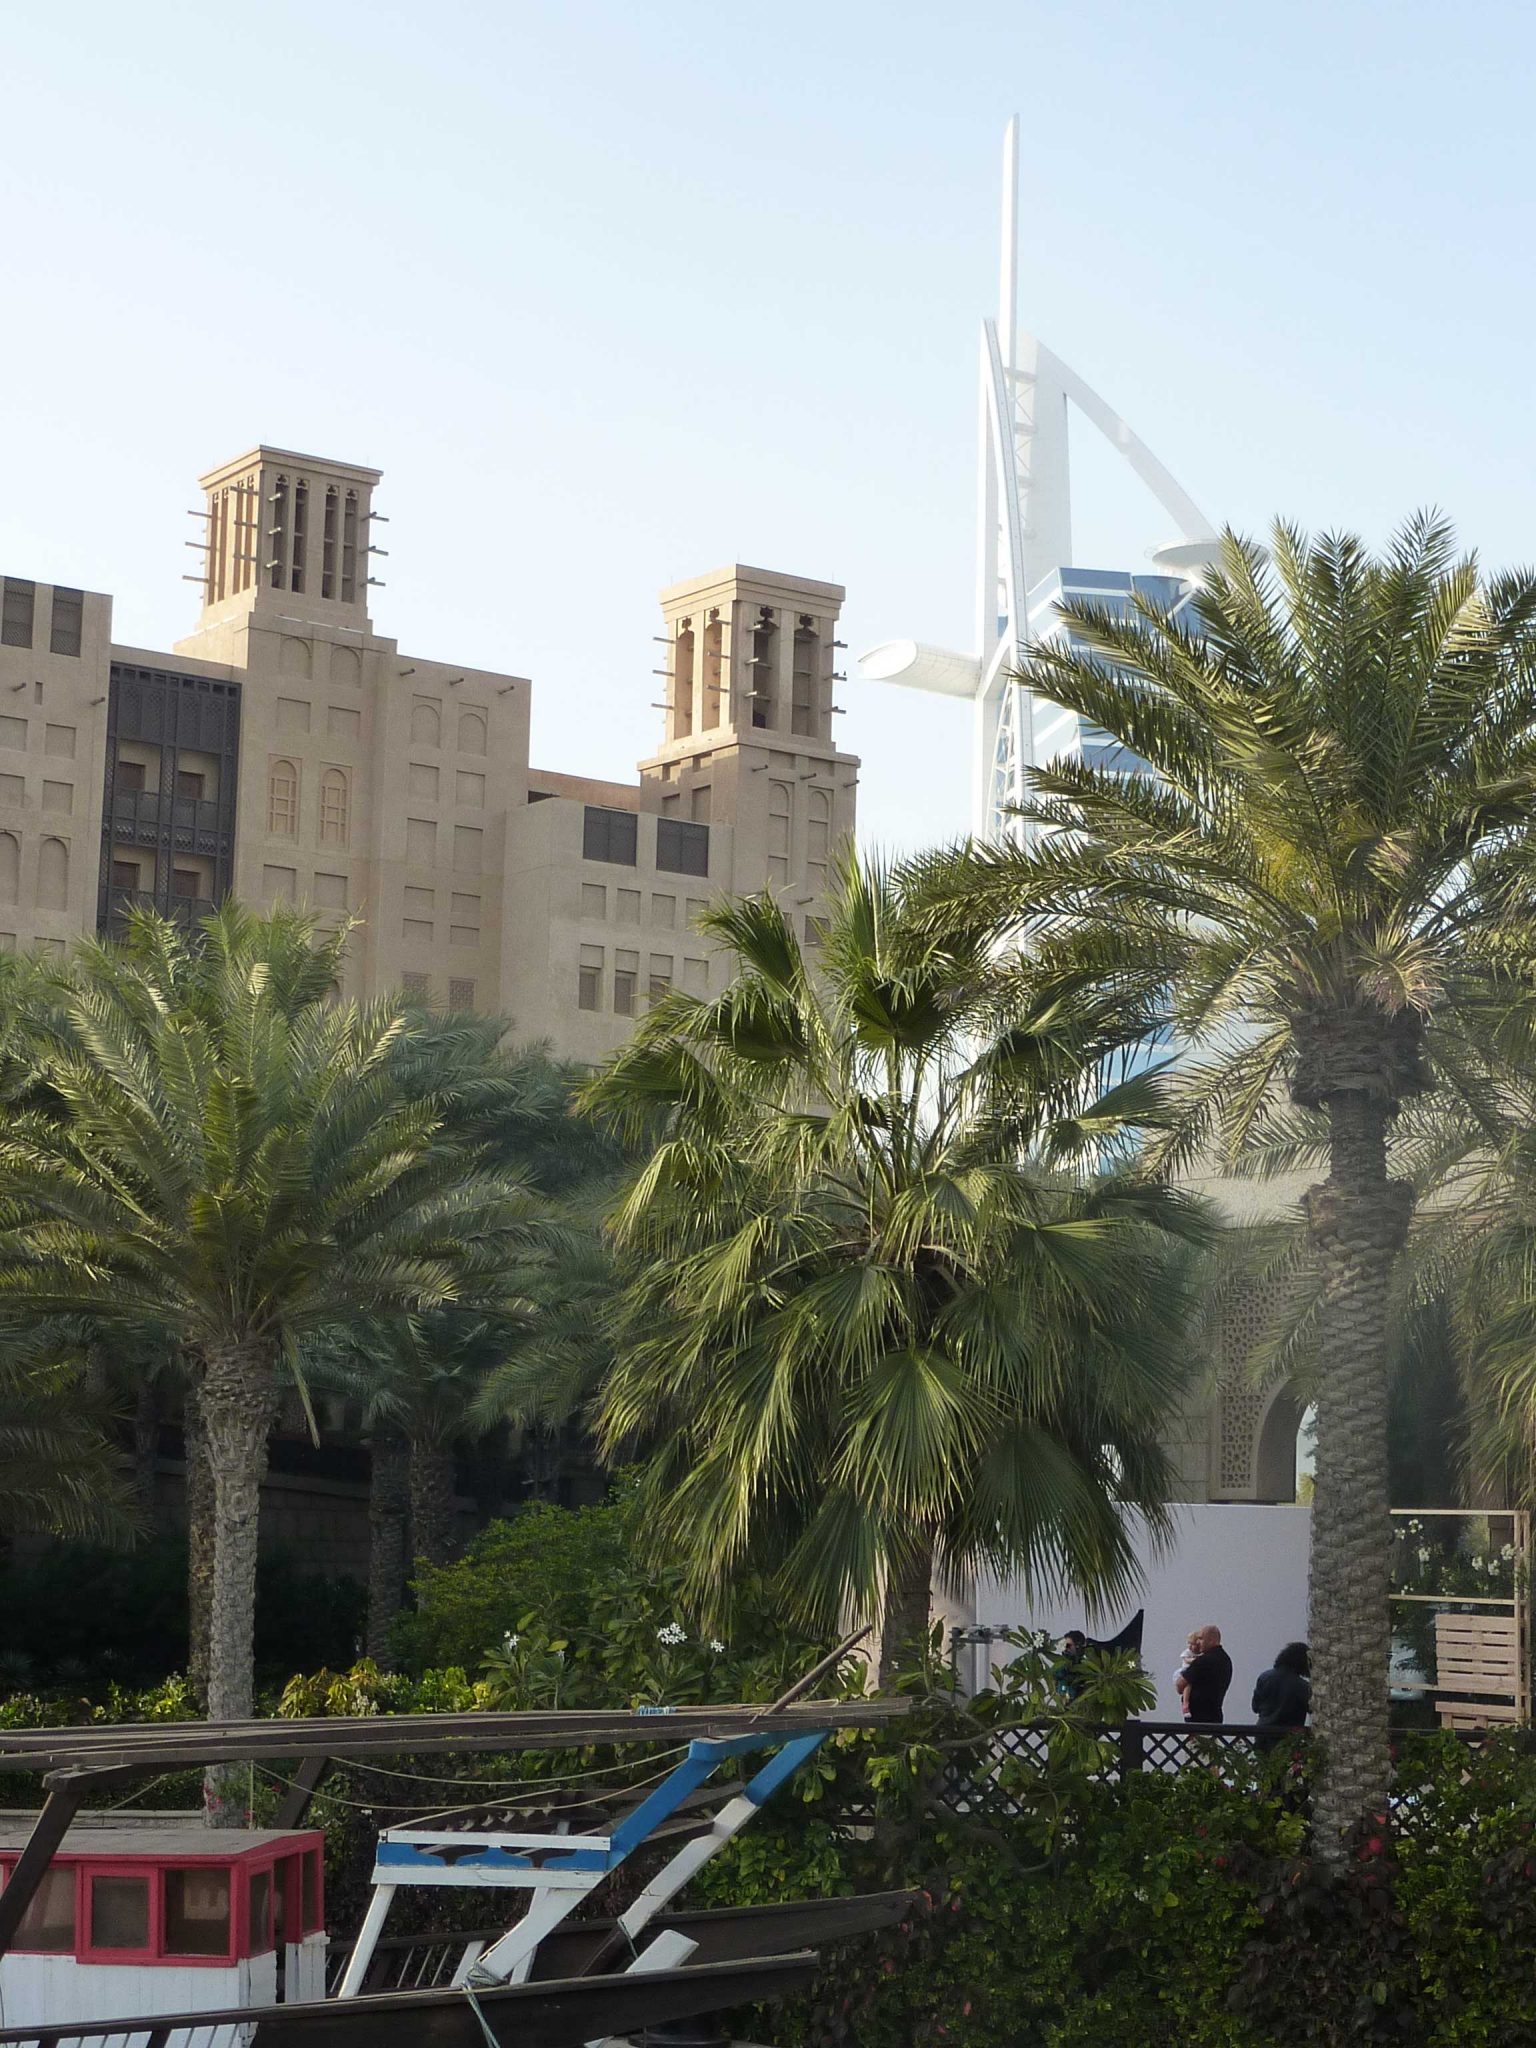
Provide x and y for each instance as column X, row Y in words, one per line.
column 1024, row 546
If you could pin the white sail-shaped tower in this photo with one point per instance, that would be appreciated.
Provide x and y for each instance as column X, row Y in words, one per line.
column 1024, row 546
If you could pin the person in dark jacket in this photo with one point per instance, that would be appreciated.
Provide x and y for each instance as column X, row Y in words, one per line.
column 1203, row 1683
column 1283, row 1695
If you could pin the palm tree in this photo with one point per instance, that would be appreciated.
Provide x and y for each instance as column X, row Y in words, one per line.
column 1329, row 871
column 238, row 1162
column 893, row 1305
column 59, row 1469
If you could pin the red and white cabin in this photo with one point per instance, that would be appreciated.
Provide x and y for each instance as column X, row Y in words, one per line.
column 142, row 1918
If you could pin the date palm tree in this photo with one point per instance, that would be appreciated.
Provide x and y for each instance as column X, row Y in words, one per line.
column 893, row 1305
column 1318, row 843
column 238, row 1162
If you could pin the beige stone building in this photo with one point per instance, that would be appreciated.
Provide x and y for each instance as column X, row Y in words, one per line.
column 285, row 750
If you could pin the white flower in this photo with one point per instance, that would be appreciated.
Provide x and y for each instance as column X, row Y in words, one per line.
column 511, row 1641
column 717, row 1646
column 1423, row 1553
column 671, row 1634
column 1508, row 1553
column 1400, row 1533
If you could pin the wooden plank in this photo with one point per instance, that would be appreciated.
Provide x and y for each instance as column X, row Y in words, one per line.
column 295, row 1803
column 727, row 1934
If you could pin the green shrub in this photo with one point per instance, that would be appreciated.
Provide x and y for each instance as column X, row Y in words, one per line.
column 553, row 1610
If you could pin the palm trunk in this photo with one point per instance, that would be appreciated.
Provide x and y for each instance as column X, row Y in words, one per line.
column 432, row 1496
column 1358, row 1220
column 197, row 1486
column 239, row 1399
column 389, row 1507
column 905, row 1613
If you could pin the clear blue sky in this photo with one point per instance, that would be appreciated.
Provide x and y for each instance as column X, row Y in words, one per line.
column 614, row 293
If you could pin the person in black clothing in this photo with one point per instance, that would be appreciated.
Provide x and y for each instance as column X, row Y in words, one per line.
column 1204, row 1682
column 1282, row 1695
column 1070, row 1677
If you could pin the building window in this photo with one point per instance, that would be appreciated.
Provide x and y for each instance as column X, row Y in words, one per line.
column 594, row 900
column 197, row 1912
column 714, row 654
column 763, row 662
column 815, row 931
column 627, row 906
column 184, row 883
column 349, row 550
column 68, row 621
column 418, row 987
column 699, row 802
column 335, row 808
column 461, row 993
column 659, row 981
column 279, row 885
column 426, row 723
column 696, row 977
column 130, row 777
column 53, row 875
column 49, row 1922
column 625, row 980
column 664, row 910
column 283, row 800
column 300, row 526
column 125, row 874
column 330, row 892
column 682, row 683
column 818, row 829
column 807, row 662
column 191, row 782
column 328, row 544
column 279, row 534
column 471, row 732
column 610, row 835
column 682, row 848
column 119, row 1913
column 589, row 979
column 16, row 613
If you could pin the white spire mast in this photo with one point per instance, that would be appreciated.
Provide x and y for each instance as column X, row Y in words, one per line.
column 1008, row 279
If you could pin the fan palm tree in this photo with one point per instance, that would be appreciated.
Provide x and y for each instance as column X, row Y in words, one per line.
column 892, row 1307
column 237, row 1164
column 1329, row 871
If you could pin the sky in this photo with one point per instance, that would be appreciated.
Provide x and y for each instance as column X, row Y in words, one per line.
column 615, row 293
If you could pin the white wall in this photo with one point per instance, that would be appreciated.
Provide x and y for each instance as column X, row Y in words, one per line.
column 1243, row 1567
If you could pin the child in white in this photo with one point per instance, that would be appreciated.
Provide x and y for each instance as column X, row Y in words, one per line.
column 1191, row 1652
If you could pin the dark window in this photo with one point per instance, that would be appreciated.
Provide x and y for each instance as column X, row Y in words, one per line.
column 130, row 775
column 125, row 874
column 609, row 835
column 68, row 616
column 624, row 980
column 261, row 1911
column 184, row 882
column 191, row 782
column 119, row 1912
column 197, row 1912
column 461, row 993
column 49, row 1922
column 682, row 848
column 16, row 613
column 589, row 988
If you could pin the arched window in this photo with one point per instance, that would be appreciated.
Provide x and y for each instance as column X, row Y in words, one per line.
column 346, row 666
column 335, row 807
column 818, row 825
column 10, row 867
column 780, row 817
column 471, row 732
column 53, row 875
column 426, row 724
column 283, row 800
